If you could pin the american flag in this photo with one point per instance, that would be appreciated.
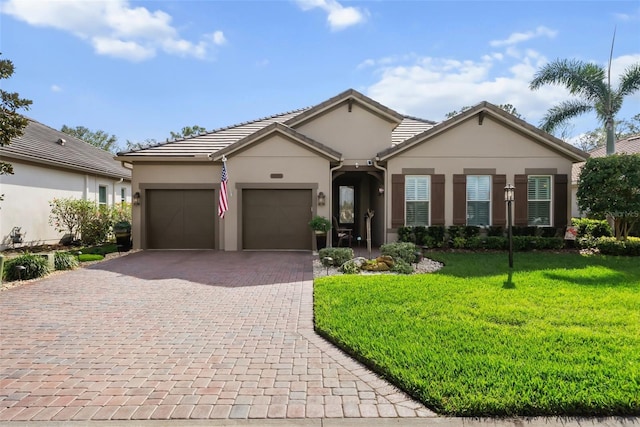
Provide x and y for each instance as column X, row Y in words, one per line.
column 222, row 202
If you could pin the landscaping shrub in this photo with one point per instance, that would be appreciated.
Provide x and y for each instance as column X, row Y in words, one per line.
column 459, row 242
column 529, row 243
column 36, row 266
column 475, row 243
column 405, row 234
column 65, row 261
column 339, row 255
column 454, row 231
column 471, row 231
column 402, row 267
column 592, row 227
column 612, row 246
column 437, row 232
column 350, row 267
column 419, row 233
column 524, row 230
column 548, row 231
column 496, row 243
column 495, row 231
column 400, row 250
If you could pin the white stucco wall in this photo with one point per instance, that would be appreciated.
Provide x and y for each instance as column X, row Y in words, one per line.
column 27, row 194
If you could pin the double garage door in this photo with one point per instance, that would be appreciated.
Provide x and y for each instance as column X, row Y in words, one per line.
column 271, row 219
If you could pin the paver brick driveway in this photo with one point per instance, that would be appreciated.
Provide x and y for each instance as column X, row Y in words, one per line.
column 180, row 335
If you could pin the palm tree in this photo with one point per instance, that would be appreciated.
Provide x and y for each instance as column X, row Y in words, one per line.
column 591, row 83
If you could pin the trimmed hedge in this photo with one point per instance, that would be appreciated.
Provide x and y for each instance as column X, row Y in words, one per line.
column 612, row 246
column 400, row 250
column 592, row 227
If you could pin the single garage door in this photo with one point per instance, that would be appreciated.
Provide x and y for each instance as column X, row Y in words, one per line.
column 276, row 219
column 181, row 219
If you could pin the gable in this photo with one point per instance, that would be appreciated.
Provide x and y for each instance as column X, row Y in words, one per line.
column 352, row 129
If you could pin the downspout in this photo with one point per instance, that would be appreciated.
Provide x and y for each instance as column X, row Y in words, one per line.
column 385, row 195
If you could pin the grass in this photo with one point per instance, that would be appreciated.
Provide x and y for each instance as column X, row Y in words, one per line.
column 561, row 336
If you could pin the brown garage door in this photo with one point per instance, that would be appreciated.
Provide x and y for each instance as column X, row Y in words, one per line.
column 181, row 219
column 276, row 219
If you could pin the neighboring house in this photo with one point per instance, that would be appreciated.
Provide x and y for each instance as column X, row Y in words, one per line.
column 630, row 145
column 342, row 158
column 50, row 164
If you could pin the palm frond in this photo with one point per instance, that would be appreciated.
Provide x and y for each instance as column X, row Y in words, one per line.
column 561, row 113
column 583, row 79
column 629, row 81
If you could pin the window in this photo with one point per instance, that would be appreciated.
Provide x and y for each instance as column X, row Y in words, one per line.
column 479, row 200
column 416, row 194
column 102, row 195
column 539, row 201
column 347, row 206
column 123, row 195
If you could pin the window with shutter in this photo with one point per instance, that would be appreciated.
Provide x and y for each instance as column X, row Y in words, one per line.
column 539, row 200
column 416, row 193
column 479, row 200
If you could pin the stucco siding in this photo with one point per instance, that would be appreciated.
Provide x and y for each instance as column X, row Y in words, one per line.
column 29, row 190
column 491, row 146
column 358, row 134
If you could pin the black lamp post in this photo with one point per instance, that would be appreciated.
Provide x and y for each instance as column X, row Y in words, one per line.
column 509, row 193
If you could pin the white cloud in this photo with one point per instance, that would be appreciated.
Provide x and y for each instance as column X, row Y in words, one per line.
column 516, row 38
column 339, row 17
column 56, row 88
column 113, row 27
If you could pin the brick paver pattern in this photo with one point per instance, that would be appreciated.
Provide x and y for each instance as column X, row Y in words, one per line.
column 180, row 335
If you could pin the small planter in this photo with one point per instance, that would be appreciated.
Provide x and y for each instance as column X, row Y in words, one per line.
column 321, row 227
column 122, row 231
column 321, row 240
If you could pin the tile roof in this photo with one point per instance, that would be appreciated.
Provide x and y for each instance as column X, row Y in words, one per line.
column 630, row 145
column 40, row 144
column 218, row 139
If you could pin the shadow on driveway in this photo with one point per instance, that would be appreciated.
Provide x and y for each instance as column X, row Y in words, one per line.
column 214, row 268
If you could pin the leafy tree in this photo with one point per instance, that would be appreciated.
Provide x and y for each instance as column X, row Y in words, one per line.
column 188, row 131
column 610, row 186
column 69, row 215
column 99, row 138
column 506, row 107
column 12, row 123
column 591, row 83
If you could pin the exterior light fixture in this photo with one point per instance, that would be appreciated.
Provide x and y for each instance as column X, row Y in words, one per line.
column 509, row 196
column 136, row 198
column 380, row 191
column 321, row 199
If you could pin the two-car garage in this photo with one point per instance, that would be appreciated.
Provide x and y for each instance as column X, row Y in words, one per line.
column 270, row 218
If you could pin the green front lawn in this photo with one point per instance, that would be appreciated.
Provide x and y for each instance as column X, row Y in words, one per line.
column 561, row 337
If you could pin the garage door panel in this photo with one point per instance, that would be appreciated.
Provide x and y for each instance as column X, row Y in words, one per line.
column 181, row 219
column 276, row 219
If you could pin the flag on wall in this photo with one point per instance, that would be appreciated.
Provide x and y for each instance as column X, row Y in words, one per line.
column 222, row 202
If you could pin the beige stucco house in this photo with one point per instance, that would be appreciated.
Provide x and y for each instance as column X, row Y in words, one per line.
column 50, row 164
column 342, row 158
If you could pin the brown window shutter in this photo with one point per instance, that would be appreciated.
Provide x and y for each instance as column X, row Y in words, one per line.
column 560, row 189
column 520, row 202
column 459, row 199
column 437, row 199
column 498, row 205
column 397, row 200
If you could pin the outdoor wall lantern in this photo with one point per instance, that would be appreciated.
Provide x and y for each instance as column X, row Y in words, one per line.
column 136, row 198
column 509, row 196
column 380, row 191
column 321, row 199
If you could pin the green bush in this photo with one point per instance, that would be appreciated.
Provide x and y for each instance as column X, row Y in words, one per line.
column 471, row 231
column 495, row 231
column 402, row 267
column 400, row 250
column 35, row 266
column 588, row 227
column 419, row 233
column 454, row 231
column 97, row 227
column 529, row 243
column 459, row 242
column 475, row 243
column 548, row 231
column 612, row 246
column 524, row 230
column 405, row 234
column 65, row 261
column 437, row 232
column 496, row 243
column 350, row 267
column 339, row 255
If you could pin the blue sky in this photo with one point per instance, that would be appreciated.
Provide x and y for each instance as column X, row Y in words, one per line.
column 140, row 69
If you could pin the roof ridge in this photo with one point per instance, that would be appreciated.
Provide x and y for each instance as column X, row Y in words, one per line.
column 420, row 119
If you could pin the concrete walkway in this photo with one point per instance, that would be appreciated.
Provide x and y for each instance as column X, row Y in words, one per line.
column 180, row 335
